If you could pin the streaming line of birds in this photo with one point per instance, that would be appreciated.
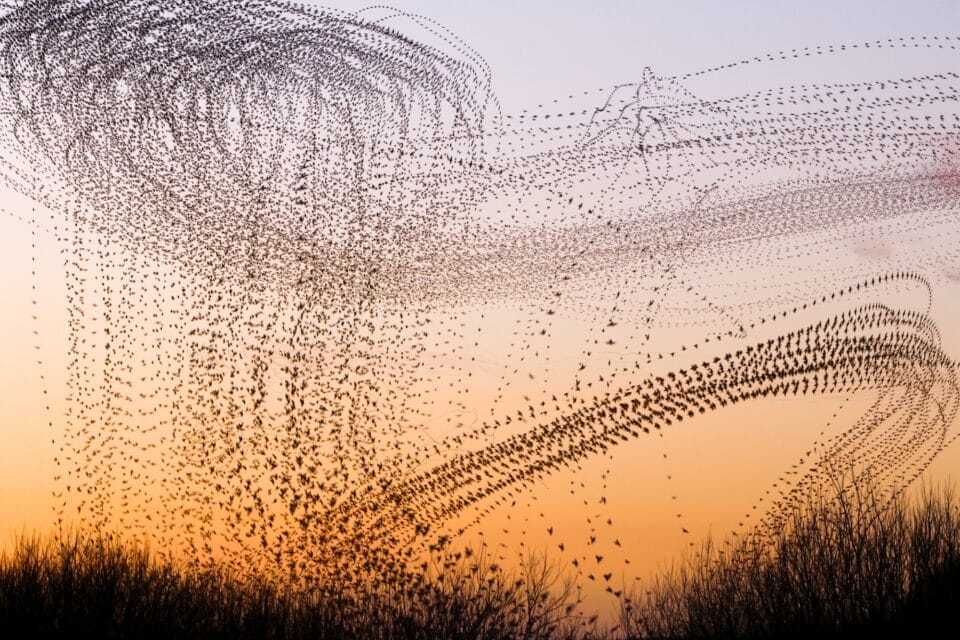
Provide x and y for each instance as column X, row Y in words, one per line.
column 330, row 306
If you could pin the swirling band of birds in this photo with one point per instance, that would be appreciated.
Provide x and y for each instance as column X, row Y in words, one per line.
column 329, row 306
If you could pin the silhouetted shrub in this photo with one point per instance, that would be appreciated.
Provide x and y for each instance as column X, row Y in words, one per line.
column 852, row 561
column 97, row 587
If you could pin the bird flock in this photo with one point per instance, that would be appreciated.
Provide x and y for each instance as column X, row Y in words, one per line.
column 330, row 305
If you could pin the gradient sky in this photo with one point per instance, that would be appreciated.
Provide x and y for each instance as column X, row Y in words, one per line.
column 542, row 49
column 537, row 51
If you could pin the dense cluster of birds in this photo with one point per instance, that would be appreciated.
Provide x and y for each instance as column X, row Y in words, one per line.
column 330, row 306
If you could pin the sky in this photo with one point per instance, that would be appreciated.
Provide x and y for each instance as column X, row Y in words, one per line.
column 537, row 51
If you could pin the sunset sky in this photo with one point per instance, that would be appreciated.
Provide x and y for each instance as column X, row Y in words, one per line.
column 706, row 475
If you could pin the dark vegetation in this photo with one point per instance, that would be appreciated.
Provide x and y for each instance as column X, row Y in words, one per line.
column 101, row 588
column 848, row 563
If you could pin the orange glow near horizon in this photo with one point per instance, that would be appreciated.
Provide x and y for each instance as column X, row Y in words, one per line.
column 269, row 319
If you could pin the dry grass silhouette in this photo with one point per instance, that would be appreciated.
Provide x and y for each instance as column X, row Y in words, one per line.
column 99, row 587
column 849, row 562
